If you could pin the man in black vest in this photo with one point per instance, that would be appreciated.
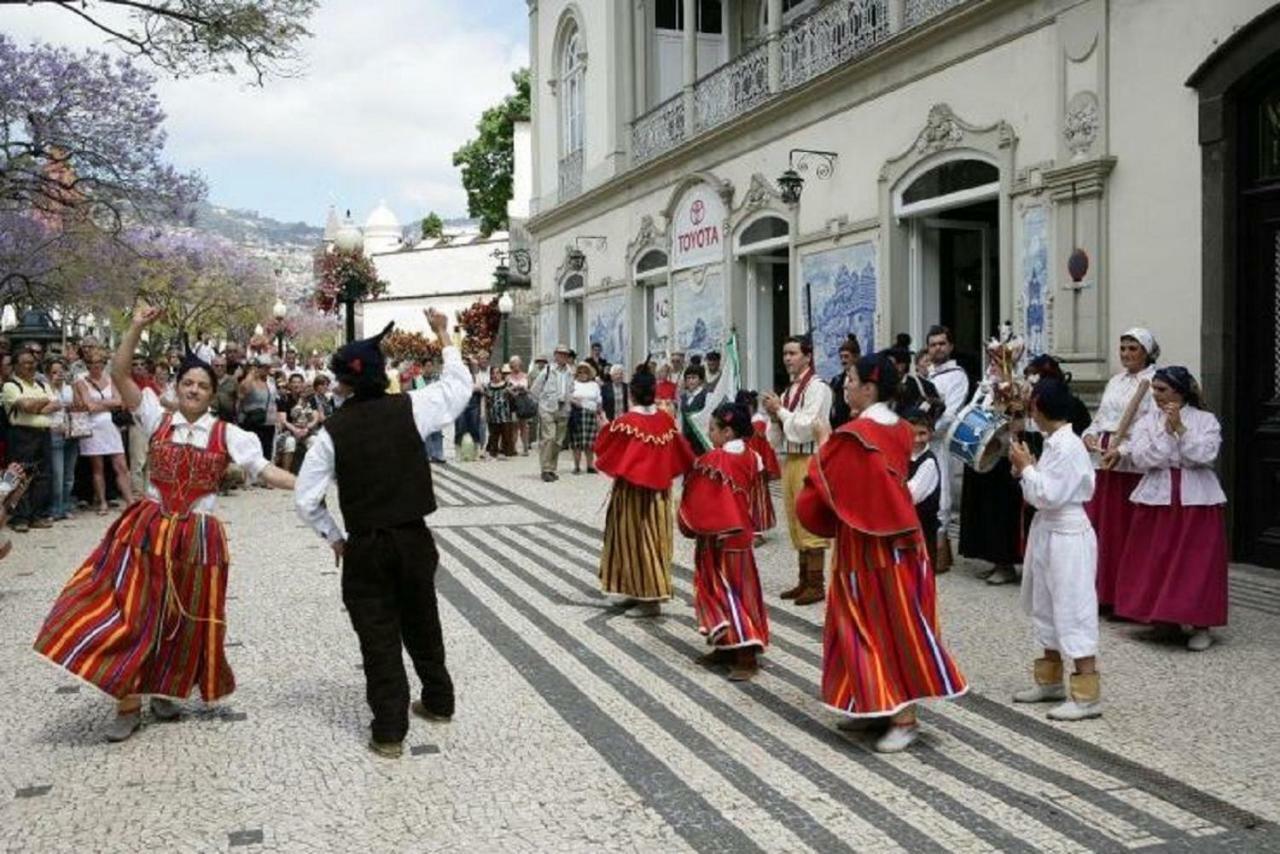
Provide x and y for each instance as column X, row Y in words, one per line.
column 373, row 447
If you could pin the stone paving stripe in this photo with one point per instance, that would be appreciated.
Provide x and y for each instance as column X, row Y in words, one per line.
column 463, row 489
column 445, row 495
column 239, row 838
column 233, row 717
column 799, row 822
column 1149, row 780
column 1254, row 605
column 474, row 486
column 230, row 644
column 687, row 812
column 423, row 749
column 32, row 791
column 1254, row 586
column 67, row 689
column 25, row 574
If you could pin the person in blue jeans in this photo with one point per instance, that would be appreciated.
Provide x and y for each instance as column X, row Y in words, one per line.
column 66, row 449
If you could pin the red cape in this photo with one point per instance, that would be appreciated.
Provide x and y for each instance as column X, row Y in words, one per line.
column 760, row 444
column 859, row 478
column 644, row 450
column 666, row 390
column 716, row 496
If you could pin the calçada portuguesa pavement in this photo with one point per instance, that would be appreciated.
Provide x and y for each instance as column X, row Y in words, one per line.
column 581, row 730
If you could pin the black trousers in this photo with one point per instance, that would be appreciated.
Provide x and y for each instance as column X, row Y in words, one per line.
column 33, row 447
column 388, row 586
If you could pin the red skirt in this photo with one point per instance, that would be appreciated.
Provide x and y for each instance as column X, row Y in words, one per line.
column 1111, row 513
column 726, row 597
column 881, row 648
column 1175, row 564
column 146, row 612
column 762, row 516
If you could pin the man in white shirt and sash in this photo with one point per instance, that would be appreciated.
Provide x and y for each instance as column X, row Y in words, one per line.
column 952, row 384
column 797, row 425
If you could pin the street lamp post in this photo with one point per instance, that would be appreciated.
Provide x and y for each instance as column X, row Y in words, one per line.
column 349, row 239
column 505, row 305
column 279, row 310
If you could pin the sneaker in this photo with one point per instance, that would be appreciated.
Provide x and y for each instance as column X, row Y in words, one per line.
column 428, row 715
column 1200, row 640
column 1002, row 575
column 123, row 726
column 1075, row 710
column 1041, row 694
column 19, row 527
column 898, row 738
column 42, row 523
column 165, row 710
column 548, row 477
column 646, row 609
column 387, row 749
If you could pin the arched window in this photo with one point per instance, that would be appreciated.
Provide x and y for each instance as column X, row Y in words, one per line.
column 958, row 181
column 764, row 235
column 573, row 73
column 651, row 264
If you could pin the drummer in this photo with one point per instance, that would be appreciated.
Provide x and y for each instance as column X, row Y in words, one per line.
column 952, row 384
column 1110, row 511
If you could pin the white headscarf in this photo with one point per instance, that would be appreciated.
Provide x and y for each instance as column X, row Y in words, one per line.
column 1144, row 337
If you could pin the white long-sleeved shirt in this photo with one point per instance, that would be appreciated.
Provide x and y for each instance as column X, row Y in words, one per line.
column 1061, row 481
column 434, row 407
column 1115, row 400
column 244, row 448
column 793, row 429
column 553, row 386
column 1156, row 452
column 952, row 384
column 925, row 480
column 586, row 395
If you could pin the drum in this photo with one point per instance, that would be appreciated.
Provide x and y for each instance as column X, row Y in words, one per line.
column 978, row 437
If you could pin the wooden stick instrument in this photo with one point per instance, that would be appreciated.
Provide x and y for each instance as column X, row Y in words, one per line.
column 1126, row 421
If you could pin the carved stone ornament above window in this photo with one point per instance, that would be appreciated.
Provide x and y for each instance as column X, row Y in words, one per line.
column 761, row 194
column 1080, row 125
column 648, row 236
column 944, row 130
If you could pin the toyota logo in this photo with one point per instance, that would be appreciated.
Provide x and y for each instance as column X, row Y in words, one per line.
column 698, row 212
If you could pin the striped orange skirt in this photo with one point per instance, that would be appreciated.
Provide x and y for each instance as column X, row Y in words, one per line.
column 145, row 614
column 726, row 595
column 638, row 543
column 881, row 648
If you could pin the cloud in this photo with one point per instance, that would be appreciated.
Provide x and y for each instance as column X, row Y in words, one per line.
column 389, row 90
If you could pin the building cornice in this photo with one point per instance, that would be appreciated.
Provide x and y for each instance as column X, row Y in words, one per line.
column 732, row 139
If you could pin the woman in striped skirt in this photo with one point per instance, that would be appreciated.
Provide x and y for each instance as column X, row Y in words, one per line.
column 882, row 652
column 644, row 453
column 146, row 613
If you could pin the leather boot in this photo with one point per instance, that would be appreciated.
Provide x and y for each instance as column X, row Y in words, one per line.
column 799, row 588
column 944, row 556
column 814, row 578
column 1048, row 687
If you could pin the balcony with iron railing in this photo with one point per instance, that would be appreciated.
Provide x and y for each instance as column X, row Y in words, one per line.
column 835, row 34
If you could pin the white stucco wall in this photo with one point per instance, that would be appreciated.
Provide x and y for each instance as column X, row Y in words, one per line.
column 450, row 278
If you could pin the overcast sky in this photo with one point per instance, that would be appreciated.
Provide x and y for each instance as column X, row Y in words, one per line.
column 391, row 89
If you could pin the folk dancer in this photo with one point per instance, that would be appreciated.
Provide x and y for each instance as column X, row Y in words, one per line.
column 798, row 421
column 373, row 448
column 882, row 651
column 715, row 511
column 1175, row 560
column 643, row 451
column 1058, row 590
column 1125, row 398
column 952, row 384
column 146, row 613
column 920, row 407
column 693, row 406
column 763, row 517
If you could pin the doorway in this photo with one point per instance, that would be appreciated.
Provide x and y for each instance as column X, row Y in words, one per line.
column 763, row 246
column 1256, row 517
column 956, row 276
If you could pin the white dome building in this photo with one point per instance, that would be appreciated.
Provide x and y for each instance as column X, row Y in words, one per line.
column 382, row 232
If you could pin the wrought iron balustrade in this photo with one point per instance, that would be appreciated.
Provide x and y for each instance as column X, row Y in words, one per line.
column 659, row 130
column 831, row 36
column 919, row 11
column 732, row 89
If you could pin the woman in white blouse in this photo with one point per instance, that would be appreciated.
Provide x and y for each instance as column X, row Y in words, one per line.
column 1110, row 510
column 1176, row 556
column 583, row 413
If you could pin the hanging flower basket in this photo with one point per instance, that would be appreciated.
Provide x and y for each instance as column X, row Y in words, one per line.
column 345, row 276
column 410, row 346
column 479, row 323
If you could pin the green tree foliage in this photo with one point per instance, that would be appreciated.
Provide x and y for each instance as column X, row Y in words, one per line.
column 432, row 226
column 488, row 161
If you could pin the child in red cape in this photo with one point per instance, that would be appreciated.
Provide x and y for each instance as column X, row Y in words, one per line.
column 763, row 517
column 715, row 510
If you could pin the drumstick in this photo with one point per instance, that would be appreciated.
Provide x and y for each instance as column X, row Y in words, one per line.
column 1126, row 421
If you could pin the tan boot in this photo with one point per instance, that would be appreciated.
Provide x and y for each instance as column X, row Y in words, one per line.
column 799, row 588
column 944, row 556
column 1085, row 702
column 814, row 578
column 1048, row 687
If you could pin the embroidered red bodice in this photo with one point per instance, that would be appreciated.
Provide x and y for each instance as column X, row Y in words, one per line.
column 183, row 474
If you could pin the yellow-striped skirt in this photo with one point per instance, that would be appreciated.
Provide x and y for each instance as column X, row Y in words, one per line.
column 636, row 559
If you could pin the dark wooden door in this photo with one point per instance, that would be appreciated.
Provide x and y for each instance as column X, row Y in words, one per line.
column 1256, row 495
